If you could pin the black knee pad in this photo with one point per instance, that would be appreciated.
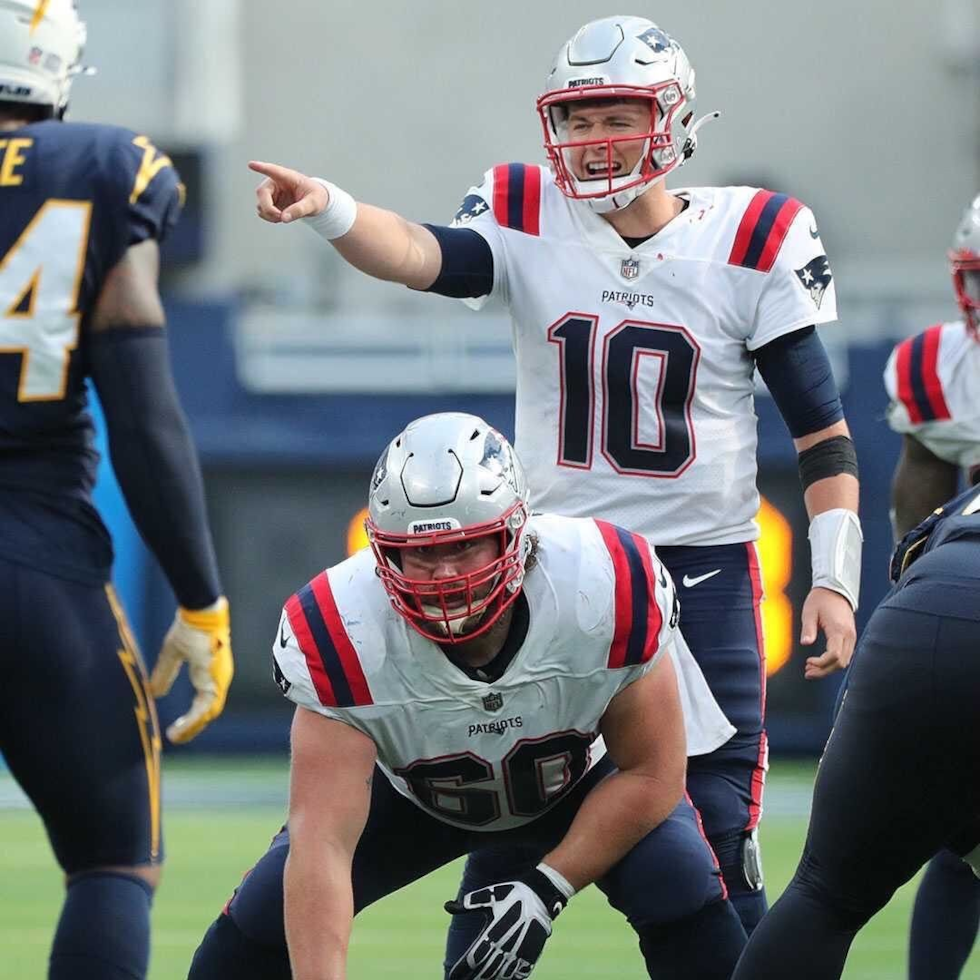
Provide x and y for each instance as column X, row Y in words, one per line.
column 226, row 953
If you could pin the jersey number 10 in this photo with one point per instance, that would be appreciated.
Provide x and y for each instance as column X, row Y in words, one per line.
column 674, row 355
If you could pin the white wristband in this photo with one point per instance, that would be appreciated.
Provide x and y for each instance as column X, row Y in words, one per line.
column 557, row 879
column 338, row 217
column 835, row 552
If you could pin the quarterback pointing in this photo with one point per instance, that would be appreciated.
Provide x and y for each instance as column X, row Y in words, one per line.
column 505, row 676
column 640, row 315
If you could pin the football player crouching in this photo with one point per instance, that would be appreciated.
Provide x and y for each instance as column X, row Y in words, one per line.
column 479, row 676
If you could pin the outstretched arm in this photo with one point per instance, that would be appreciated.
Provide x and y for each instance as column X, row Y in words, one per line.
column 380, row 243
column 329, row 800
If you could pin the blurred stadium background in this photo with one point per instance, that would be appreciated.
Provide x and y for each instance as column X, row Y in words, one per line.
column 295, row 370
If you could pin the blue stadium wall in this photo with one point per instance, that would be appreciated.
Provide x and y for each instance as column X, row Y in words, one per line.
column 285, row 475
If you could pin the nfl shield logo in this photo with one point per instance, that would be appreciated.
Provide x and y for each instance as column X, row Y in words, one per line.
column 630, row 268
column 493, row 702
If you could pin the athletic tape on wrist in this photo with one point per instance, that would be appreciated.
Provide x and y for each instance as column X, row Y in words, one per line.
column 835, row 552
column 338, row 217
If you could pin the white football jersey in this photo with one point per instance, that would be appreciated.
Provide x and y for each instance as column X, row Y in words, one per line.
column 933, row 381
column 481, row 755
column 634, row 367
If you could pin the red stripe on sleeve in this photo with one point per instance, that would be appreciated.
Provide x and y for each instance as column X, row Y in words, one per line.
column 654, row 614
column 777, row 234
column 903, row 371
column 532, row 200
column 349, row 661
column 501, row 193
column 301, row 630
column 623, row 595
column 747, row 225
column 930, row 372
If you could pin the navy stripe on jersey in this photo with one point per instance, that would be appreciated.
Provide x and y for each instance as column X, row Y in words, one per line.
column 639, row 590
column 761, row 232
column 329, row 655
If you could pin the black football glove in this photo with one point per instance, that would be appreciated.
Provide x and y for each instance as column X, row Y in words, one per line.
column 518, row 917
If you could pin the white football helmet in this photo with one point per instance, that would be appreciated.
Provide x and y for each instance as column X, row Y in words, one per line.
column 964, row 262
column 448, row 478
column 41, row 45
column 621, row 58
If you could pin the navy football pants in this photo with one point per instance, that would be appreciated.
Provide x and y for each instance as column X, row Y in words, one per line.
column 401, row 843
column 78, row 727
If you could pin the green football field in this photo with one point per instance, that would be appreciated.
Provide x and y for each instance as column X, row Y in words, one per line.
column 218, row 820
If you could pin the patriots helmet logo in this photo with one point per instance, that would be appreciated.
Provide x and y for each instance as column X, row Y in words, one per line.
column 815, row 277
column 657, row 40
column 472, row 207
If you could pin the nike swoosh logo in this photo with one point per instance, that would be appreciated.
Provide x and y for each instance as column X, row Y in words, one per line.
column 690, row 582
column 813, row 232
column 283, row 639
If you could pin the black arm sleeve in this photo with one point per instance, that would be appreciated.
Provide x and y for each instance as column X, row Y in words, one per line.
column 797, row 372
column 154, row 458
column 467, row 263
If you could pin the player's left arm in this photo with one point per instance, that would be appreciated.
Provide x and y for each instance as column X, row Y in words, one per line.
column 643, row 728
column 797, row 294
column 644, row 733
column 152, row 452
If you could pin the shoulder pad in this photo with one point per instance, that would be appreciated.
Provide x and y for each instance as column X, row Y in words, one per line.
column 918, row 386
column 638, row 617
column 331, row 658
column 763, row 228
column 516, row 197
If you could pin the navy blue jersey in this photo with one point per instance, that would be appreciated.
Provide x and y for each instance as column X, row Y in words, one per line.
column 73, row 198
column 956, row 520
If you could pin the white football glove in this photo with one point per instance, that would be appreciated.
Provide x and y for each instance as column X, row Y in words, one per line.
column 202, row 637
column 518, row 916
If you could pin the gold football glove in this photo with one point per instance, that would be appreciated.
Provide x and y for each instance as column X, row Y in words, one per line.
column 202, row 637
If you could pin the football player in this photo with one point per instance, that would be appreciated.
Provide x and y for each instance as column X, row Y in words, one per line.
column 83, row 209
column 933, row 380
column 640, row 316
column 900, row 777
column 479, row 675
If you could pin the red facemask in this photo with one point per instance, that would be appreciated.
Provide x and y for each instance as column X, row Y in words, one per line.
column 439, row 609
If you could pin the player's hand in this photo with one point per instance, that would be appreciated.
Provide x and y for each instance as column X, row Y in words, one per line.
column 518, row 918
column 829, row 612
column 202, row 637
column 286, row 195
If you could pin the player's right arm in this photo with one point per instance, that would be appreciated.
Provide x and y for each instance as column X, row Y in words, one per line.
column 329, row 799
column 922, row 482
column 380, row 243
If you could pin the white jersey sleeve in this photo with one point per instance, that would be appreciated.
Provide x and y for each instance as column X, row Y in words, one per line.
column 509, row 196
column 933, row 385
column 778, row 237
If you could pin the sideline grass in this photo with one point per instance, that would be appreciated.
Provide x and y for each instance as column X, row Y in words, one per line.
column 210, row 846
